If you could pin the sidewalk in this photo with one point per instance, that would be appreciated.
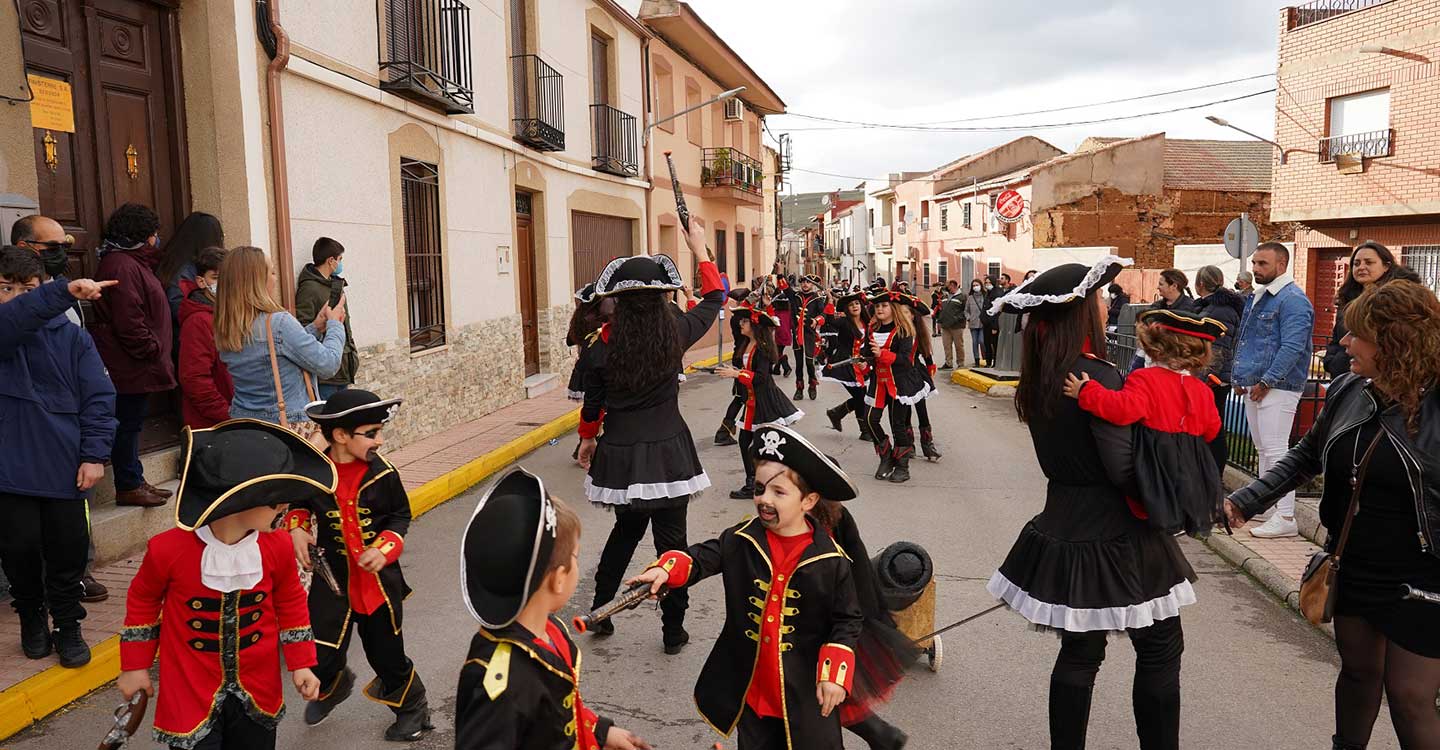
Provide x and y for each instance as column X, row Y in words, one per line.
column 435, row 469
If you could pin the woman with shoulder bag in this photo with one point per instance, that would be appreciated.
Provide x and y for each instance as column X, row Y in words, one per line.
column 273, row 360
column 1377, row 444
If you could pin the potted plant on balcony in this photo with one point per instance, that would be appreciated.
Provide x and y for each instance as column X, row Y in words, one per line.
column 723, row 166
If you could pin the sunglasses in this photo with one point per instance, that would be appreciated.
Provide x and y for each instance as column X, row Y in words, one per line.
column 53, row 245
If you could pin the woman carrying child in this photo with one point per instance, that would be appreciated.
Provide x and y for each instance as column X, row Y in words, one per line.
column 765, row 404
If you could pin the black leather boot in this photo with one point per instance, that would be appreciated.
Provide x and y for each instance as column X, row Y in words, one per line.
column 412, row 710
column 726, row 434
column 785, row 366
column 878, row 733
column 35, row 638
column 74, row 651
column 317, row 710
column 675, row 641
column 887, row 459
column 901, row 472
column 927, row 446
column 799, row 392
column 746, row 491
column 1338, row 744
column 837, row 415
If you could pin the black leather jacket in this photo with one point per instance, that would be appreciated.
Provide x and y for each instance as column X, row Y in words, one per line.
column 1349, row 403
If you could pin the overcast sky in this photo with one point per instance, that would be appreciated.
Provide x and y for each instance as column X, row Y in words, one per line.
column 922, row 61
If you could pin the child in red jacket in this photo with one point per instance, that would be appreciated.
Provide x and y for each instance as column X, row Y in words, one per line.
column 1178, row 483
column 205, row 384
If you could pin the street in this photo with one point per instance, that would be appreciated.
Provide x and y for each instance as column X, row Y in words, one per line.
column 1255, row 675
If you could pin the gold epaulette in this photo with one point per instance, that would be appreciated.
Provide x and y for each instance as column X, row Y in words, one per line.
column 497, row 675
column 593, row 336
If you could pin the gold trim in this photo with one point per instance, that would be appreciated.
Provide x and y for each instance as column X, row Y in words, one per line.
column 528, row 650
column 189, row 437
column 365, row 691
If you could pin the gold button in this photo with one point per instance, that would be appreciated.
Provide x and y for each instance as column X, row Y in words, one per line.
column 195, row 604
column 774, row 598
column 767, row 639
column 770, row 619
column 780, row 577
column 260, row 597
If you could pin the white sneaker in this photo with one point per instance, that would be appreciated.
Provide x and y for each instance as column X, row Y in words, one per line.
column 1278, row 526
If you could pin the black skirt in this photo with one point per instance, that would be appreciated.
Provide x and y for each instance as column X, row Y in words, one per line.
column 645, row 459
column 772, row 407
column 1179, row 484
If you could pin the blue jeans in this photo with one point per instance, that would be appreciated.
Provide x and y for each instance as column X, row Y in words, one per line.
column 125, row 454
column 326, row 390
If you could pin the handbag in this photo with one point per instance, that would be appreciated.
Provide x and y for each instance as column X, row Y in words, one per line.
column 306, row 429
column 1318, row 587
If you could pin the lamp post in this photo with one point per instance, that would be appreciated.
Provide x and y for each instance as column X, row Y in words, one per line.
column 731, row 94
column 1226, row 124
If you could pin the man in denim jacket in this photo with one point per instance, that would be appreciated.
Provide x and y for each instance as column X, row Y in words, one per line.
column 1272, row 362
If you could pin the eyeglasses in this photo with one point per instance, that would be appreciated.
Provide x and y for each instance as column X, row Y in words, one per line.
column 53, row 245
column 370, row 434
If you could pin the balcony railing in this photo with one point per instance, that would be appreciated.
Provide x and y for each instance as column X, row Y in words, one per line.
column 427, row 53
column 1324, row 10
column 539, row 105
column 882, row 236
column 1373, row 144
column 612, row 136
column 728, row 168
column 925, row 225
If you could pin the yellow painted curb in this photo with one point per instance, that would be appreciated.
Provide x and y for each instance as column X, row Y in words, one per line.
column 34, row 698
column 450, row 484
column 708, row 362
column 975, row 381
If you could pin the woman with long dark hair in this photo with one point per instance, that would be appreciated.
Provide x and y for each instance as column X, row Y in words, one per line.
column 764, row 402
column 644, row 465
column 176, row 271
column 1377, row 444
column 846, row 335
column 894, row 382
column 1371, row 264
column 1086, row 567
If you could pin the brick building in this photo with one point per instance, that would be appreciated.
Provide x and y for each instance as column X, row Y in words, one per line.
column 1356, row 116
column 1143, row 196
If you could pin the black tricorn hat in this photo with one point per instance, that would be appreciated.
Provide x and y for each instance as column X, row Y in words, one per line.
column 1062, row 285
column 895, row 296
column 243, row 464
column 780, row 303
column 506, row 548
column 846, row 299
column 350, row 409
column 1185, row 323
column 812, row 278
column 786, row 446
column 638, row 273
column 755, row 315
column 585, row 294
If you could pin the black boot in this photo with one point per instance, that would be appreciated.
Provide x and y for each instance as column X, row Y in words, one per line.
column 317, row 710
column 1069, row 715
column 814, row 391
column 878, row 733
column 799, row 391
column 71, row 646
column 836, row 415
column 785, row 365
column 746, row 491
column 726, row 434
column 412, row 710
column 676, row 641
column 887, row 459
column 927, row 445
column 35, row 633
column 901, row 472
column 1338, row 744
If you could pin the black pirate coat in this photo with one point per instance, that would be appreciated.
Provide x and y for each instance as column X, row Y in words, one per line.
column 845, row 341
column 818, row 626
column 809, row 311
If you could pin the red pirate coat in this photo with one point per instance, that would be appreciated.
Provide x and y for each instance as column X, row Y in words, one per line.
column 211, row 644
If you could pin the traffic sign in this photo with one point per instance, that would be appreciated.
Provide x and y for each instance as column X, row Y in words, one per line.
column 1241, row 237
column 1009, row 206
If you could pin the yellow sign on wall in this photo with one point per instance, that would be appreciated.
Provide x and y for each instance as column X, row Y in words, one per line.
column 52, row 108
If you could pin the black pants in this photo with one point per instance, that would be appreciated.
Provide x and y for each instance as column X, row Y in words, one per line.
column 235, row 730
column 125, row 453
column 804, row 366
column 857, row 404
column 899, row 424
column 922, row 415
column 760, row 733
column 384, row 649
column 747, row 439
column 667, row 528
column 43, row 549
column 992, row 338
column 1155, row 694
column 1220, row 446
column 733, row 410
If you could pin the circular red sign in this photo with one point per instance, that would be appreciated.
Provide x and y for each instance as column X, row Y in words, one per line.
column 1010, row 205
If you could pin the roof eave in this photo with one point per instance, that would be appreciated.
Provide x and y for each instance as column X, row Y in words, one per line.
column 758, row 94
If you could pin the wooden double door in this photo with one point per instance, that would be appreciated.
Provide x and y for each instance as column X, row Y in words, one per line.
column 120, row 59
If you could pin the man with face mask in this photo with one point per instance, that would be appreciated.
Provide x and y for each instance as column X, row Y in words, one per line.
column 321, row 285
column 45, row 237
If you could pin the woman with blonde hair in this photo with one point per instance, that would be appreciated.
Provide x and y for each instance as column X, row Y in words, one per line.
column 896, row 381
column 273, row 360
column 1377, row 444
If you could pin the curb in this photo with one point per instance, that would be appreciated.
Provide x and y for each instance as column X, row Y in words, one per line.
column 38, row 696
column 975, row 381
column 1280, row 585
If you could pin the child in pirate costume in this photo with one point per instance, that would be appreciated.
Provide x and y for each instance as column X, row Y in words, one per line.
column 846, row 333
column 925, row 359
column 728, row 433
column 808, row 307
column 790, row 606
column 585, row 325
column 895, row 382
column 520, row 684
column 360, row 528
column 765, row 404
column 784, row 333
column 219, row 598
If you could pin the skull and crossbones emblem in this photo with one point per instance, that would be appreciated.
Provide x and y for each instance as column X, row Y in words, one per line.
column 770, row 444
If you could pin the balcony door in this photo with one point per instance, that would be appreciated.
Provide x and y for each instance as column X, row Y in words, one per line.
column 599, row 70
column 525, row 273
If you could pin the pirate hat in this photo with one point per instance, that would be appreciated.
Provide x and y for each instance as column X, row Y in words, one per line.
column 846, row 299
column 780, row 303
column 638, row 273
column 351, row 409
column 820, row 472
column 243, row 464
column 1185, row 323
column 897, row 297
column 506, row 547
column 1061, row 285
column 585, row 294
column 756, row 316
column 812, row 278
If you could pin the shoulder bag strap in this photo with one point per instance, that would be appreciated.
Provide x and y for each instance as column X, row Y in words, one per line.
column 1357, row 482
column 275, row 372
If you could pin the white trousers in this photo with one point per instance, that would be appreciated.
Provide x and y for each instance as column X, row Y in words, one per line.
column 1271, row 421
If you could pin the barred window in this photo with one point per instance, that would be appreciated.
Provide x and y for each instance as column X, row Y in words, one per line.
column 944, row 218
column 1424, row 260
column 965, row 220
column 944, row 266
column 739, row 255
column 424, row 284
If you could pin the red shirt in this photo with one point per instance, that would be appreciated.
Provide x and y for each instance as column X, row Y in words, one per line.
column 585, row 719
column 1158, row 398
column 767, row 688
column 364, row 587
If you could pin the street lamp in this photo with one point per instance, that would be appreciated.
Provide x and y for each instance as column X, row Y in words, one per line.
column 732, row 93
column 1226, row 124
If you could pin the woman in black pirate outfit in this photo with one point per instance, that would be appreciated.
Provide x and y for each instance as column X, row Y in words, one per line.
column 846, row 333
column 925, row 359
column 644, row 465
column 1087, row 567
column 895, row 382
column 764, row 403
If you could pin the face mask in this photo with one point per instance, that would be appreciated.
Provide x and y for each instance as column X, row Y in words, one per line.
column 54, row 260
column 340, row 268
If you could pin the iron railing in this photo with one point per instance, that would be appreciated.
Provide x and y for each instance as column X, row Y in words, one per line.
column 612, row 135
column 925, row 224
column 1324, row 10
column 539, row 103
column 424, row 263
column 1376, row 143
column 727, row 167
column 1424, row 260
column 427, row 53
column 883, row 236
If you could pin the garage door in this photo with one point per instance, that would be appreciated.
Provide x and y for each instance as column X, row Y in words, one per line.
column 1331, row 268
column 595, row 240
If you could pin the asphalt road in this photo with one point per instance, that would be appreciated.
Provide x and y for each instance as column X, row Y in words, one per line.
column 1255, row 675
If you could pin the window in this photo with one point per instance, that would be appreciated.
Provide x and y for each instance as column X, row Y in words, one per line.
column 664, row 94
column 1424, row 260
column 424, row 268
column 426, row 53
column 927, row 274
column 944, row 265
column 693, row 124
column 993, row 270
column 944, row 218
column 739, row 254
column 924, row 216
column 720, row 251
column 870, row 215
column 1357, row 124
column 965, row 217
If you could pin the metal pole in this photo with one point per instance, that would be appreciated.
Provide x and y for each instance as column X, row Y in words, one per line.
column 720, row 333
column 1244, row 251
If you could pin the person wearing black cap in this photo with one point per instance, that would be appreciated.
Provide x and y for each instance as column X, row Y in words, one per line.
column 764, row 402
column 362, row 523
column 520, row 684
column 895, row 382
column 644, row 465
column 1087, row 566
column 227, row 590
column 791, row 608
column 846, row 333
column 808, row 306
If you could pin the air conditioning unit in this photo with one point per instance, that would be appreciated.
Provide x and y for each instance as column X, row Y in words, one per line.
column 734, row 109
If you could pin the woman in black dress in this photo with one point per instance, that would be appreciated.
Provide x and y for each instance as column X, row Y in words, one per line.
column 1387, row 644
column 845, row 335
column 763, row 403
column 644, row 465
column 1087, row 567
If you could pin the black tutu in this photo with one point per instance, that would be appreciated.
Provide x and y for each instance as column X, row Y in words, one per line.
column 645, row 474
column 772, row 407
column 843, row 373
column 882, row 654
column 1179, row 484
column 575, row 389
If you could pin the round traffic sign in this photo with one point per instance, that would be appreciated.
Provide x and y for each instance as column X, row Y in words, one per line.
column 1010, row 205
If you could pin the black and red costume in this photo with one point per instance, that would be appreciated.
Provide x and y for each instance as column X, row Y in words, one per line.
column 895, row 383
column 847, row 363
column 808, row 309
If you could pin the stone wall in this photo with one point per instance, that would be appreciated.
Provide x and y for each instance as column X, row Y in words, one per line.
column 555, row 356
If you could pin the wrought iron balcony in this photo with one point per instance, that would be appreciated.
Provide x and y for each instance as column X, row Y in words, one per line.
column 539, row 103
column 427, row 53
column 1373, row 144
column 726, row 173
column 1324, row 10
column 612, row 135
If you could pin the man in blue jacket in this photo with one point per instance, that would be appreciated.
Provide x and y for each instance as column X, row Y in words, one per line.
column 1272, row 363
column 57, row 407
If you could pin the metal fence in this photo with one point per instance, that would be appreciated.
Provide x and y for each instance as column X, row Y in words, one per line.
column 1373, row 144
column 427, row 53
column 424, row 265
column 1324, row 10
column 612, row 133
column 539, row 103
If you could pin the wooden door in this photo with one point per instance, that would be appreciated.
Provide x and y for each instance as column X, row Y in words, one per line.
column 1332, row 265
column 599, row 70
column 525, row 270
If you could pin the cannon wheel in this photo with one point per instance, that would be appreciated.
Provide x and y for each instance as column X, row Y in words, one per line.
column 936, row 654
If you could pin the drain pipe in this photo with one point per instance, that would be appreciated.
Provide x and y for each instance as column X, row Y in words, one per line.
column 277, row 46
